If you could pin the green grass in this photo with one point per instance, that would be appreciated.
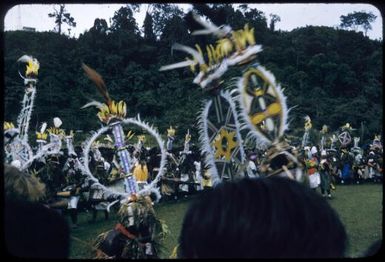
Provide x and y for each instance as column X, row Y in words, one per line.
column 359, row 207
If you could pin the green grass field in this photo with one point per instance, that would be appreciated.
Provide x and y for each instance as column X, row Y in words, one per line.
column 359, row 206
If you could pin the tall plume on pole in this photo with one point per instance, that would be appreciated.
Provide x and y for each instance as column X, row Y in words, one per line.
column 99, row 82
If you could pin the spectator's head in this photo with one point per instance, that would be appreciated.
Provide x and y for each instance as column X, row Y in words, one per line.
column 270, row 217
column 31, row 229
column 22, row 186
column 35, row 231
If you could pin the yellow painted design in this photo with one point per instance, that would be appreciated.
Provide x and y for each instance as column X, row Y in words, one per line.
column 272, row 110
column 220, row 149
column 171, row 131
column 32, row 68
column 259, row 92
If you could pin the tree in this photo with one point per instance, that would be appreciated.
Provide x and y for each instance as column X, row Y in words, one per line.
column 161, row 14
column 100, row 26
column 148, row 25
column 124, row 20
column 62, row 16
column 274, row 19
column 357, row 19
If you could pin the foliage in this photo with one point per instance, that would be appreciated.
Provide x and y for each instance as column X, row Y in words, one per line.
column 61, row 16
column 332, row 75
column 357, row 19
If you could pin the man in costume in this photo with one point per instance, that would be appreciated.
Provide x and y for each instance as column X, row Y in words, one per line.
column 325, row 174
column 312, row 169
column 139, row 231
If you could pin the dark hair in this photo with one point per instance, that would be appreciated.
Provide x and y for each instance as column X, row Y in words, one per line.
column 19, row 185
column 271, row 217
column 34, row 231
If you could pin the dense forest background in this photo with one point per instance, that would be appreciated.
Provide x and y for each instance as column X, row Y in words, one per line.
column 332, row 75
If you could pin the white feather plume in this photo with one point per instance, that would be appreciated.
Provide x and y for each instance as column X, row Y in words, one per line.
column 204, row 141
column 97, row 104
column 25, row 58
column 177, row 65
column 57, row 122
column 195, row 54
column 211, row 28
column 43, row 127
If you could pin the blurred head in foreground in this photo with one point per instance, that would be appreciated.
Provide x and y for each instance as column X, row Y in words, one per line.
column 272, row 217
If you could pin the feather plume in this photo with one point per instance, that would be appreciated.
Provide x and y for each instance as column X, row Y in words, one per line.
column 93, row 103
column 211, row 28
column 177, row 65
column 25, row 58
column 197, row 56
column 57, row 122
column 99, row 82
column 43, row 127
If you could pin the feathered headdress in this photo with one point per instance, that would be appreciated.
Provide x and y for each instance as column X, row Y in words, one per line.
column 324, row 129
column 130, row 135
column 188, row 136
column 232, row 48
column 8, row 125
column 171, row 131
column 42, row 135
column 308, row 124
column 262, row 104
column 56, row 128
column 32, row 67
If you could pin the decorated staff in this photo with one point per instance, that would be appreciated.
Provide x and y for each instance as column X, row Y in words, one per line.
column 30, row 80
column 170, row 138
column 20, row 151
column 41, row 137
column 345, row 135
column 10, row 146
column 187, row 140
column 306, row 135
column 220, row 137
column 111, row 113
column 256, row 104
column 324, row 137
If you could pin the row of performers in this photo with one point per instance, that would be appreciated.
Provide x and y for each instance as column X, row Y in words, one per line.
column 66, row 184
column 345, row 164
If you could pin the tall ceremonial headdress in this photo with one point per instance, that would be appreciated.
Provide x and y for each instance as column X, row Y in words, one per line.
column 136, row 209
column 254, row 103
column 170, row 138
column 324, row 135
column 113, row 114
column 306, row 136
column 17, row 148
